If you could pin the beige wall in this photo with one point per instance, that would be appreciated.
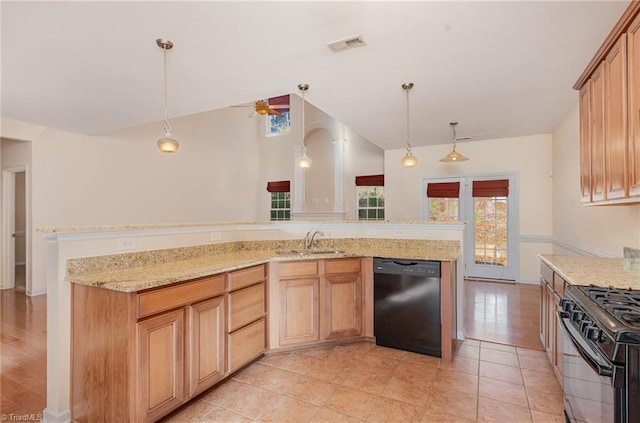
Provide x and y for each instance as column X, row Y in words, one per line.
column 601, row 230
column 529, row 157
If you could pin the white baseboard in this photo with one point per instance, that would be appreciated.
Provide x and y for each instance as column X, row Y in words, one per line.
column 49, row 416
column 37, row 292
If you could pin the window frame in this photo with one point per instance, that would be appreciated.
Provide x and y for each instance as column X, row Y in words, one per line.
column 368, row 208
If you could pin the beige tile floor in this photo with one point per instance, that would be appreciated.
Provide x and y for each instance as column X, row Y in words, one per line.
column 363, row 382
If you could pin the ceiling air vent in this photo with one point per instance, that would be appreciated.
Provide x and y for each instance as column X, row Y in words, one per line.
column 347, row 44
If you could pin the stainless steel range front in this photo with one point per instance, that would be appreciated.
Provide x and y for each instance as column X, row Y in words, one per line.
column 602, row 354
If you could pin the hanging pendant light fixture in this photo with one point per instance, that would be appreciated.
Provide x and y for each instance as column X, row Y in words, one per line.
column 166, row 144
column 409, row 160
column 304, row 161
column 454, row 156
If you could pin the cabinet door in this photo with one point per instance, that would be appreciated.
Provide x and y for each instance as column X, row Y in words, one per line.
column 342, row 306
column 544, row 326
column 559, row 344
column 598, row 191
column 206, row 344
column 616, row 120
column 633, row 101
column 160, row 352
column 551, row 347
column 299, row 311
column 585, row 143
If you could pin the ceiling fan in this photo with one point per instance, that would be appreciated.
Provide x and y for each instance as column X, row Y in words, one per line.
column 261, row 107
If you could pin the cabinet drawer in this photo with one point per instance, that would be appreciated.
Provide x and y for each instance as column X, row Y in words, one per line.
column 246, row 344
column 245, row 306
column 351, row 265
column 546, row 273
column 298, row 268
column 558, row 284
column 152, row 302
column 246, row 277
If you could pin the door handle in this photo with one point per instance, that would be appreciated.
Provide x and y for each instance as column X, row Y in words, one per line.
column 13, row 235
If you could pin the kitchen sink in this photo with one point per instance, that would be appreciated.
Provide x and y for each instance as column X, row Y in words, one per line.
column 309, row 252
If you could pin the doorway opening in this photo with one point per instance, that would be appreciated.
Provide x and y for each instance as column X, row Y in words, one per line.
column 15, row 232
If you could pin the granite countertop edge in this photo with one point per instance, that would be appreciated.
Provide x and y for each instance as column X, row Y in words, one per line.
column 146, row 276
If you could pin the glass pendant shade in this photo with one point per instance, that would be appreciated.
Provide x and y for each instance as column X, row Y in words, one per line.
column 304, row 161
column 454, row 156
column 167, row 144
column 409, row 160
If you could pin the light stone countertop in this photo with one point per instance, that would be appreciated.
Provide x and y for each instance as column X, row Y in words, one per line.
column 137, row 271
column 600, row 271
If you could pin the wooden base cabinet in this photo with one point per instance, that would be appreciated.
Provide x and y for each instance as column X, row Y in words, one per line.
column 315, row 301
column 139, row 355
column 552, row 288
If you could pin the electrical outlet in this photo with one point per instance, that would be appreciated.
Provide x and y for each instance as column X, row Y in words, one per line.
column 430, row 235
column 126, row 244
column 372, row 232
column 215, row 236
column 399, row 232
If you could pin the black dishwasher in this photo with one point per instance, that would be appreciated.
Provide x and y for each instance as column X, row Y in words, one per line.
column 407, row 305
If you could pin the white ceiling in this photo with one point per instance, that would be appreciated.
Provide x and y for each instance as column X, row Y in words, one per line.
column 499, row 68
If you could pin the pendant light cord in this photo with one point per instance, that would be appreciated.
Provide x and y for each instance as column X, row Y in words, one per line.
column 304, row 148
column 167, row 127
column 408, row 122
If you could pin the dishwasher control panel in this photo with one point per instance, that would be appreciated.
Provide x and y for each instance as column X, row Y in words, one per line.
column 396, row 266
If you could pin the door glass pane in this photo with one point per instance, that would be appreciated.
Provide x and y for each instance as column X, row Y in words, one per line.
column 490, row 230
column 443, row 209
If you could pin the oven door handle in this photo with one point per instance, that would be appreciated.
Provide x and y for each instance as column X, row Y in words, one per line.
column 595, row 361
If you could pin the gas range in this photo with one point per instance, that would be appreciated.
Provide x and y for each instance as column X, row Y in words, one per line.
column 601, row 354
column 606, row 316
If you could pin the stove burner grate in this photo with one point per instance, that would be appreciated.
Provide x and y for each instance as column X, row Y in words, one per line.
column 623, row 304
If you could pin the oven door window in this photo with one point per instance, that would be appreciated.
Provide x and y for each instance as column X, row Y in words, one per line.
column 589, row 397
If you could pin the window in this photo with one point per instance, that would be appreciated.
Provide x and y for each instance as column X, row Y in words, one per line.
column 444, row 201
column 277, row 125
column 280, row 200
column 370, row 197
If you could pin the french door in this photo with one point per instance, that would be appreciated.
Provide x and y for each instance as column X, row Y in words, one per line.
column 488, row 205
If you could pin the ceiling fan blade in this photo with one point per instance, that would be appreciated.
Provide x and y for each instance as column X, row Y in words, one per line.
column 252, row 114
column 276, row 113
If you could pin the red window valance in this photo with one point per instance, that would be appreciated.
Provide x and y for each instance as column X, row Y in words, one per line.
column 494, row 188
column 370, row 181
column 443, row 190
column 279, row 186
column 281, row 100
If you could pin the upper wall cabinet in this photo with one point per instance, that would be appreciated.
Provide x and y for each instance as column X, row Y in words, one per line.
column 610, row 117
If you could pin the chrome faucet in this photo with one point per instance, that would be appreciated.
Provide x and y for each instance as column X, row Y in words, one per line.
column 310, row 239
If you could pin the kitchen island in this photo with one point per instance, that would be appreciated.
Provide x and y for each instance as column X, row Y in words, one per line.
column 343, row 267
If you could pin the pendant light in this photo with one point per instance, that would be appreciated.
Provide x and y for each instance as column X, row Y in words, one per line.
column 409, row 160
column 166, row 144
column 454, row 156
column 304, row 161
